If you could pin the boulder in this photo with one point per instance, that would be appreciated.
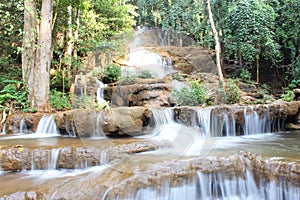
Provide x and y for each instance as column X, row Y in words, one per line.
column 124, row 121
column 151, row 93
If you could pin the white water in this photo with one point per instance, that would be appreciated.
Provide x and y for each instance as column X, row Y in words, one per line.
column 3, row 132
column 47, row 126
column 100, row 92
column 218, row 186
column 23, row 127
column 99, row 133
column 254, row 124
column 52, row 158
column 145, row 60
column 223, row 124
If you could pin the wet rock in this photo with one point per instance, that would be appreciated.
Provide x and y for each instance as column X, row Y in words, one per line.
column 139, row 94
column 297, row 94
column 15, row 159
column 30, row 119
column 126, row 121
column 185, row 115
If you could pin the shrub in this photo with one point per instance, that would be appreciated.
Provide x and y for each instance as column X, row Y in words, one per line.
column 196, row 94
column 13, row 95
column 233, row 94
column 288, row 96
column 112, row 73
column 245, row 75
column 145, row 74
column 129, row 78
column 59, row 101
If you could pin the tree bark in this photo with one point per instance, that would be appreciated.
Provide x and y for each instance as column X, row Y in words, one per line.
column 29, row 46
column 257, row 69
column 75, row 55
column 217, row 46
column 42, row 70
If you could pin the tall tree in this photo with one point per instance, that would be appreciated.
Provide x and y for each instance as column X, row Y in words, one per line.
column 42, row 70
column 217, row 46
column 36, row 55
column 249, row 31
column 29, row 46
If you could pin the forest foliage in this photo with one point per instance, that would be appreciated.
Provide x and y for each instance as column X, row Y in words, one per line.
column 251, row 31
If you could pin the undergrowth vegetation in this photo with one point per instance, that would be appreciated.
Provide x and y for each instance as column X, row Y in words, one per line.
column 193, row 95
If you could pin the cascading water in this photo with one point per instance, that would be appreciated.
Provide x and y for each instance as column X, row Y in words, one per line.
column 254, row 124
column 47, row 126
column 218, row 186
column 98, row 129
column 100, row 92
column 52, row 158
column 145, row 60
column 3, row 131
column 23, row 127
column 216, row 123
column 194, row 165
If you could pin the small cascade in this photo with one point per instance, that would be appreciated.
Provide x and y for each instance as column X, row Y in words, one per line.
column 162, row 116
column 52, row 158
column 215, row 121
column 70, row 128
column 255, row 124
column 204, row 120
column 98, row 128
column 3, row 131
column 215, row 124
column 47, row 126
column 165, row 126
column 209, row 186
column 103, row 157
column 100, row 92
column 145, row 60
column 23, row 127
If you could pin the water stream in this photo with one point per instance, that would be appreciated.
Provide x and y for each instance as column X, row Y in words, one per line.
column 187, row 162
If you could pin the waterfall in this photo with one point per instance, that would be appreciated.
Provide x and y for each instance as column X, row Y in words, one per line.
column 163, row 120
column 162, row 116
column 100, row 92
column 158, row 65
column 23, row 127
column 98, row 128
column 254, row 124
column 70, row 128
column 215, row 122
column 52, row 158
column 204, row 120
column 47, row 126
column 209, row 186
column 3, row 132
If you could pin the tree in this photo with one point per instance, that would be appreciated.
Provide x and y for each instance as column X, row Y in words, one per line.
column 249, row 32
column 29, row 46
column 37, row 53
column 217, row 46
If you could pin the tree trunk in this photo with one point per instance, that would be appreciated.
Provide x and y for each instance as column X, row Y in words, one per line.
column 69, row 36
column 42, row 70
column 169, row 37
column 75, row 55
column 217, row 46
column 180, row 40
column 257, row 69
column 240, row 58
column 29, row 43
